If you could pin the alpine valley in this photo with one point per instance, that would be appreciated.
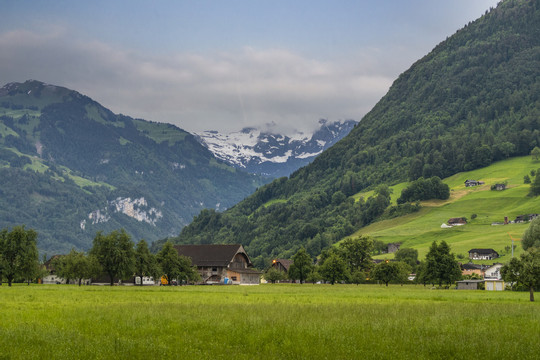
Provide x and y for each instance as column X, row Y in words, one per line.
column 70, row 167
column 271, row 154
column 473, row 101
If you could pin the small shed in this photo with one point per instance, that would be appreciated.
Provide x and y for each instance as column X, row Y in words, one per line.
column 468, row 284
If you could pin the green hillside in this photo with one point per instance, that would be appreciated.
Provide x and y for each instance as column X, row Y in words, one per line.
column 474, row 100
column 420, row 229
column 70, row 167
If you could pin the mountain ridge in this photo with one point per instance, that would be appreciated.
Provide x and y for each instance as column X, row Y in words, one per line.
column 272, row 154
column 473, row 100
column 73, row 167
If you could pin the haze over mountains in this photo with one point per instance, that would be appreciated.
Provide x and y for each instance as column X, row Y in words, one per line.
column 270, row 154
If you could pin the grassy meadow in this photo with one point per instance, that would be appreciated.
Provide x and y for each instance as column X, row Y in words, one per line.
column 285, row 321
column 419, row 230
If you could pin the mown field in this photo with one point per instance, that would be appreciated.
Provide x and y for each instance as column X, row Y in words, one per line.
column 265, row 322
column 419, row 230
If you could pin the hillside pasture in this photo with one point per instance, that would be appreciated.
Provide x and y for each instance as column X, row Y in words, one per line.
column 288, row 321
column 419, row 230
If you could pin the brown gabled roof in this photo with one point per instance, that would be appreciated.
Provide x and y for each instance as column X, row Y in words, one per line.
column 483, row 251
column 211, row 255
column 284, row 262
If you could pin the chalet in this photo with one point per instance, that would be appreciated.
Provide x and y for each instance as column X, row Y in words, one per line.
column 469, row 183
column 470, row 268
column 281, row 265
column 221, row 264
column 393, row 247
column 499, row 187
column 493, row 272
column 51, row 277
column 523, row 218
column 457, row 221
column 483, row 254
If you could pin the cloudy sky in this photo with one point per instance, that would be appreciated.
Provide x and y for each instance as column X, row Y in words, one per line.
column 225, row 65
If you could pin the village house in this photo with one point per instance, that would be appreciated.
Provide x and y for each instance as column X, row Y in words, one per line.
column 499, row 187
column 493, row 272
column 469, row 183
column 221, row 264
column 281, row 265
column 457, row 221
column 470, row 268
column 483, row 254
column 523, row 218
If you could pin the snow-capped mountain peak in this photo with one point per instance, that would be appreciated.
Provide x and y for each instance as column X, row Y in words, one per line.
column 271, row 154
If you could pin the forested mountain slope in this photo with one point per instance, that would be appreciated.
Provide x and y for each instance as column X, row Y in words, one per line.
column 473, row 100
column 70, row 167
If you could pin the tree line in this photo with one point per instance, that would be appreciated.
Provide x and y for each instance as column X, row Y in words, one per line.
column 113, row 255
column 351, row 262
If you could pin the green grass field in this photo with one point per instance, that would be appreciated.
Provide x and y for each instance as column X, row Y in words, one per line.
column 286, row 321
column 420, row 229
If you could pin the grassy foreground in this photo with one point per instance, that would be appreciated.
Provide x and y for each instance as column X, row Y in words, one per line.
column 265, row 322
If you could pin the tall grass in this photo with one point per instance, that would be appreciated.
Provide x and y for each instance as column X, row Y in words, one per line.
column 265, row 322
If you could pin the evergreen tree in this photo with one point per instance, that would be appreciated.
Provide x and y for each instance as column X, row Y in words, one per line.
column 440, row 265
column 145, row 262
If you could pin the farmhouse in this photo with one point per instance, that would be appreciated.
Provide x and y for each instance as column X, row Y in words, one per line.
column 51, row 277
column 483, row 254
column 469, row 183
column 499, row 187
column 493, row 272
column 221, row 264
column 281, row 265
column 457, row 221
column 523, row 218
column 470, row 268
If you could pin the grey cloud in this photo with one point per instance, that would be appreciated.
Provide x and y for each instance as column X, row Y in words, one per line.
column 222, row 91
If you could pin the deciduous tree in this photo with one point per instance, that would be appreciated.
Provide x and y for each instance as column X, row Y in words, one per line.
column 273, row 275
column 114, row 252
column 357, row 253
column 524, row 271
column 301, row 267
column 174, row 266
column 334, row 269
column 531, row 237
column 19, row 255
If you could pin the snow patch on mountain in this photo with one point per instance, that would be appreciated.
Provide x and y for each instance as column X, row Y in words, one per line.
column 270, row 154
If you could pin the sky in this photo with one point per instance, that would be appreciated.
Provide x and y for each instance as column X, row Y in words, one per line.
column 225, row 65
